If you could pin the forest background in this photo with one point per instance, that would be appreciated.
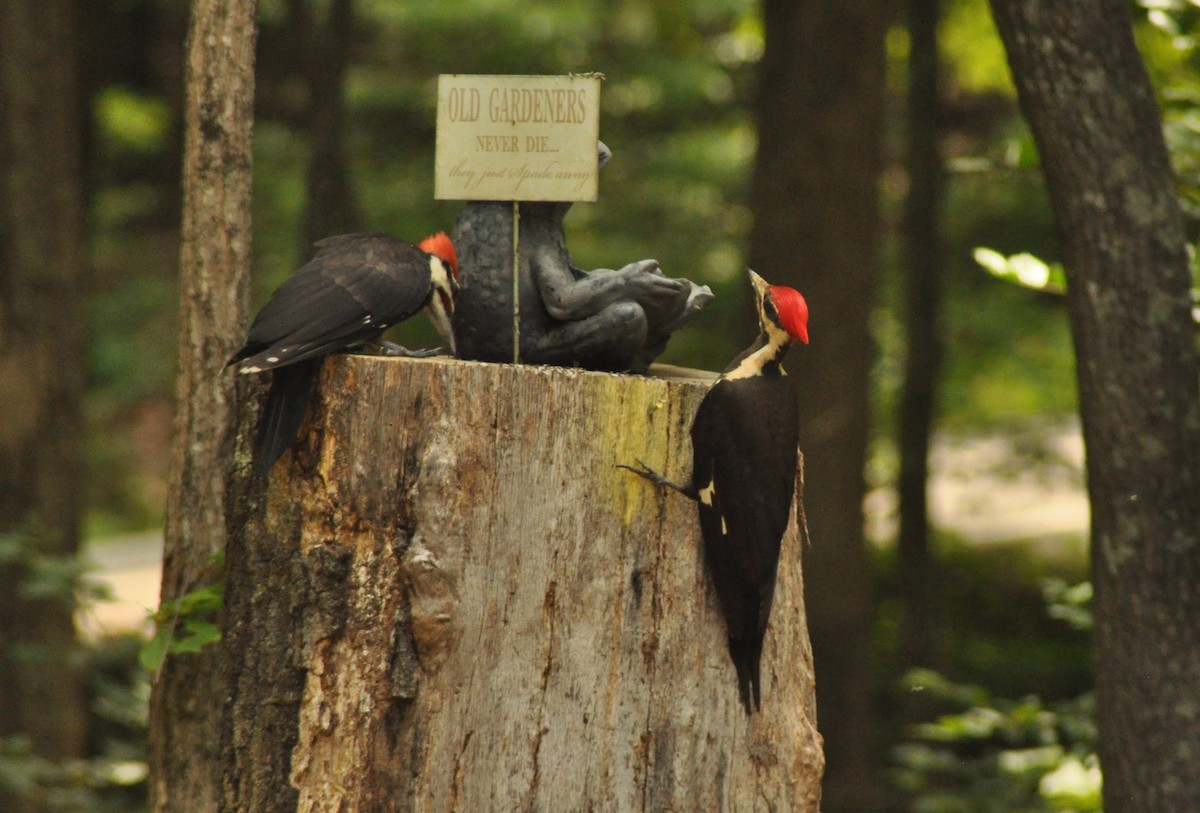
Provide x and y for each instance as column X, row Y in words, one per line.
column 344, row 141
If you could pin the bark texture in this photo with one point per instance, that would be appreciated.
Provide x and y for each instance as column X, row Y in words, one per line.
column 1085, row 93
column 186, row 699
column 41, row 374
column 450, row 598
column 816, row 227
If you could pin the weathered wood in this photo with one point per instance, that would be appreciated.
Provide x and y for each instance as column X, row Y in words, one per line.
column 450, row 598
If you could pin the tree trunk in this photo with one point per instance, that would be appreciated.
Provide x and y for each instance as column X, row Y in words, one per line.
column 450, row 598
column 332, row 206
column 186, row 701
column 41, row 376
column 816, row 227
column 1085, row 93
column 917, row 569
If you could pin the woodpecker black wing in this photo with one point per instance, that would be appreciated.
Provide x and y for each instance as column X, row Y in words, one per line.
column 744, row 467
column 354, row 288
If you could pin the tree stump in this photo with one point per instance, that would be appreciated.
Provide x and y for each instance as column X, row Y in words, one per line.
column 450, row 598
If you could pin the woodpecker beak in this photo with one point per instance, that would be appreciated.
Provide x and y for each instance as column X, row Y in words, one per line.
column 441, row 321
column 441, row 313
column 760, row 284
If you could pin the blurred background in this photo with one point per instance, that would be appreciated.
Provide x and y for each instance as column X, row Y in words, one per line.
column 978, row 698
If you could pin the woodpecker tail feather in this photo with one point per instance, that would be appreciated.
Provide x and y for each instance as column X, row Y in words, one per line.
column 747, row 657
column 284, row 412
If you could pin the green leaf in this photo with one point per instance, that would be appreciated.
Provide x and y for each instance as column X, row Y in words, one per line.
column 198, row 635
column 202, row 600
column 151, row 655
column 1024, row 269
column 1073, row 785
column 185, row 625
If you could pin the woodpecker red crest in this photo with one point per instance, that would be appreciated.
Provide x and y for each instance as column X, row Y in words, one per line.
column 439, row 245
column 793, row 311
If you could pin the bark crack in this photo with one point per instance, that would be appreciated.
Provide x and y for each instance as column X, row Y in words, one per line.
column 550, row 610
column 459, row 758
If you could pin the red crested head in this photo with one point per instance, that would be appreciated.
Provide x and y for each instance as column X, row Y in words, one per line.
column 793, row 311
column 440, row 246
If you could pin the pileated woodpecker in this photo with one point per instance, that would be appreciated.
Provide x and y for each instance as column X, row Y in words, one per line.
column 353, row 289
column 743, row 476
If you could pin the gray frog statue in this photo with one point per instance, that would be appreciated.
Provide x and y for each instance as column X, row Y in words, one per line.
column 616, row 320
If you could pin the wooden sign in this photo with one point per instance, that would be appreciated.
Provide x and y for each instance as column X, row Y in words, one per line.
column 517, row 137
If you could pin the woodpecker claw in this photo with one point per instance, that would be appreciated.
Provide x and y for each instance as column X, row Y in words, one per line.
column 391, row 350
column 647, row 473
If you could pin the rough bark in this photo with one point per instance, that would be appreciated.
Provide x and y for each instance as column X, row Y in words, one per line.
column 450, row 598
column 1085, row 93
column 41, row 372
column 186, row 700
column 917, row 570
column 816, row 224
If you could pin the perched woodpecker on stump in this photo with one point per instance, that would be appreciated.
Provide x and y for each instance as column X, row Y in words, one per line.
column 353, row 289
column 743, row 476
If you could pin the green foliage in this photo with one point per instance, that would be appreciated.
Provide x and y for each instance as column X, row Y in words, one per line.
column 1008, row 756
column 994, row 630
column 1168, row 41
column 132, row 121
column 1069, row 603
column 111, row 778
column 70, row 786
column 185, row 626
column 41, row 574
column 972, row 49
column 1024, row 269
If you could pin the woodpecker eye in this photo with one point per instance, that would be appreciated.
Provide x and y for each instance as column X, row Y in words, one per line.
column 769, row 308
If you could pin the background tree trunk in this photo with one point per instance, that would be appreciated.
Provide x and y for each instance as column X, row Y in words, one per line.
column 450, row 598
column 816, row 227
column 187, row 697
column 332, row 206
column 1085, row 93
column 41, row 375
column 916, row 569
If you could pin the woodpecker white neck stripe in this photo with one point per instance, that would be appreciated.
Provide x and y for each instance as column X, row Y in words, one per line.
column 439, row 314
column 772, row 350
column 437, row 273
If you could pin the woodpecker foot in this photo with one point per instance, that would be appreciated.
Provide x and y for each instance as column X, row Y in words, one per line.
column 392, row 349
column 650, row 474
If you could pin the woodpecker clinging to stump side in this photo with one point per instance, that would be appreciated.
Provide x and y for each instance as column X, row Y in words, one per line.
column 743, row 475
column 353, row 289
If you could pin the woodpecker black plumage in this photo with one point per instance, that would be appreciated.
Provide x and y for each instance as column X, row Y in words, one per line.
column 744, row 459
column 354, row 288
